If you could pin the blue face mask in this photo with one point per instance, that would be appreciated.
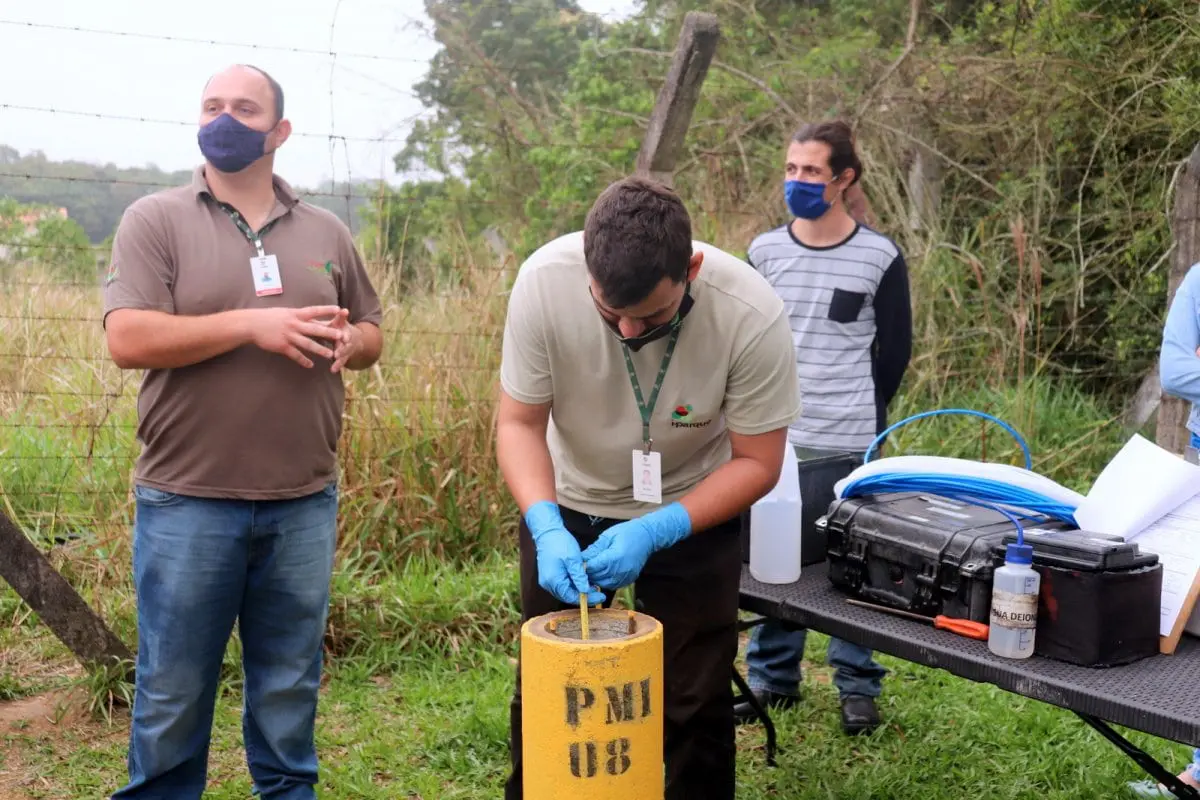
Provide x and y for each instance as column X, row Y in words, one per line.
column 229, row 145
column 805, row 200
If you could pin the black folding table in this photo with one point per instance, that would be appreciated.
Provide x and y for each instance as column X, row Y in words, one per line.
column 1159, row 695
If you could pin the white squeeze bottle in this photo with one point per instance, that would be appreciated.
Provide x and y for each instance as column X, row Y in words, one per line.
column 775, row 527
column 1014, row 604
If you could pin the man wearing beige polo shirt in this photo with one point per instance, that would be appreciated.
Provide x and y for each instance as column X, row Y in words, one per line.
column 243, row 305
column 648, row 383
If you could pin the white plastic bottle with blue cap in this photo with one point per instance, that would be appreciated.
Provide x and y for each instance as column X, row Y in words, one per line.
column 1015, row 589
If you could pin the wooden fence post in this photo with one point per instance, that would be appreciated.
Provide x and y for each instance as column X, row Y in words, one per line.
column 924, row 188
column 56, row 602
column 672, row 113
column 1171, row 433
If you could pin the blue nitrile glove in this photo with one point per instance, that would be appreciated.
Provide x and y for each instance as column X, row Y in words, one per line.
column 617, row 557
column 559, row 562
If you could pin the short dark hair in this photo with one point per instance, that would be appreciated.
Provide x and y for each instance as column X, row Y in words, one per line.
column 276, row 90
column 637, row 233
column 840, row 137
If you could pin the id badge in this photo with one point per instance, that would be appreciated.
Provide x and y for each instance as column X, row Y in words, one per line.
column 647, row 477
column 265, row 270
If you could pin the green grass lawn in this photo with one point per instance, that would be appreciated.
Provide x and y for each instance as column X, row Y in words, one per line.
column 419, row 710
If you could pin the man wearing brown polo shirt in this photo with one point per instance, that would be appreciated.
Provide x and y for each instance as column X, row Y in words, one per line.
column 243, row 304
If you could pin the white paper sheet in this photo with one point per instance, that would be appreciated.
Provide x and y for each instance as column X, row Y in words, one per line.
column 1176, row 539
column 1141, row 484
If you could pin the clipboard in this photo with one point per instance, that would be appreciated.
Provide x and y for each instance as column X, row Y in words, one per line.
column 1167, row 644
column 1175, row 537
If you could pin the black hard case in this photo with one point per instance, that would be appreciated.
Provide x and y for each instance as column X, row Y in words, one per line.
column 817, row 479
column 1099, row 603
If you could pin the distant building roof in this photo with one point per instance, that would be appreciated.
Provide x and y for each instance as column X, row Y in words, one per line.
column 32, row 217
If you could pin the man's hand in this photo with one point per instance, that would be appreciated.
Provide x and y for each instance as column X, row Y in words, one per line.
column 290, row 331
column 559, row 563
column 349, row 347
column 618, row 556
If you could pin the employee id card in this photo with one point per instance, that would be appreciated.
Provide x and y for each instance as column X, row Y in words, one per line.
column 647, row 476
column 265, row 270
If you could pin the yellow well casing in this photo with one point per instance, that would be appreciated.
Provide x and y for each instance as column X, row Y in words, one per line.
column 592, row 710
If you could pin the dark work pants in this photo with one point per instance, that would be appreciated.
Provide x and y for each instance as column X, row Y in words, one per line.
column 692, row 590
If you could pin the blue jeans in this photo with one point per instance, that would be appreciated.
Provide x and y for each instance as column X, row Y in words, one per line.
column 199, row 565
column 773, row 654
column 773, row 658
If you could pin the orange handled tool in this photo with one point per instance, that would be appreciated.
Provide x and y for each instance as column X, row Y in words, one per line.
column 963, row 627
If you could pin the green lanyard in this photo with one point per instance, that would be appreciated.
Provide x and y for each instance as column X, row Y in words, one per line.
column 247, row 231
column 647, row 409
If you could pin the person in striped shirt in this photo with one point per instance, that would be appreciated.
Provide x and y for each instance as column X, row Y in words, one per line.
column 845, row 287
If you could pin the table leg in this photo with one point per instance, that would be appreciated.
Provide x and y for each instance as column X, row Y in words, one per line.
column 759, row 711
column 747, row 695
column 1142, row 759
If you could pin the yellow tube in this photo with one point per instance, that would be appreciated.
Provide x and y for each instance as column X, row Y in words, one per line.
column 591, row 711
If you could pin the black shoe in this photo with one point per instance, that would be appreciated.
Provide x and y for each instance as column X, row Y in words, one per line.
column 859, row 714
column 744, row 712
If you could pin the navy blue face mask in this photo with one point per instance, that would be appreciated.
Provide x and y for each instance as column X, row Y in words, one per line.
column 230, row 145
column 805, row 200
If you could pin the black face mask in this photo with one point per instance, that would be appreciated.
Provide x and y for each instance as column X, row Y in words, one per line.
column 636, row 343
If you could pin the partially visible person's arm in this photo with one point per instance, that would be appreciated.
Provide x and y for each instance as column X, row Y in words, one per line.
column 364, row 344
column 522, row 453
column 751, row 472
column 893, row 329
column 526, row 397
column 142, row 339
column 1178, row 362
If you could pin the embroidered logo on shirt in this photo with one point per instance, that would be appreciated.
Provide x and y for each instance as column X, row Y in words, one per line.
column 323, row 268
column 682, row 417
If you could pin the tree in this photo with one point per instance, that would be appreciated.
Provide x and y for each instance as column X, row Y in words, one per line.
column 495, row 89
column 61, row 246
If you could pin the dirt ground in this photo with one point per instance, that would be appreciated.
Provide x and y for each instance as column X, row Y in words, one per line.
column 39, row 721
column 30, row 716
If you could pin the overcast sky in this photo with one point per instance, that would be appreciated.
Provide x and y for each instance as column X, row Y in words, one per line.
column 155, row 74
